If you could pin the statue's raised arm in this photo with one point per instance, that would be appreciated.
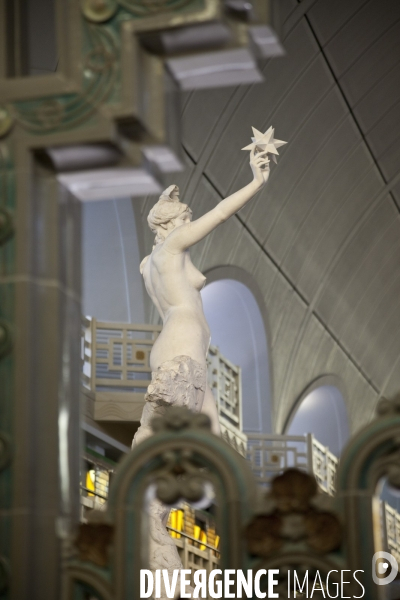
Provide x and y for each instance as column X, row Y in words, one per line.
column 189, row 233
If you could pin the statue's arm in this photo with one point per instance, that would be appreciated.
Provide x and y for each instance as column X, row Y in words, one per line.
column 189, row 234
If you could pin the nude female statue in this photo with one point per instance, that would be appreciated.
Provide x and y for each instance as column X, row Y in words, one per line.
column 178, row 357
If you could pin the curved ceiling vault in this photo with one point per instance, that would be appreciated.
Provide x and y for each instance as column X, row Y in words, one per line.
column 323, row 238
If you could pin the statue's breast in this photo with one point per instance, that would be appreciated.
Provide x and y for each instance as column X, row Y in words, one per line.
column 162, row 264
column 195, row 278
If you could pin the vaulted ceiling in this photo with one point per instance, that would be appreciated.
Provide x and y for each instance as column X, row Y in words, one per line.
column 320, row 245
column 322, row 240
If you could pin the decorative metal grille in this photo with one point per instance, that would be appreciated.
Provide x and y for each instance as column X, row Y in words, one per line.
column 95, row 483
column 324, row 466
column 392, row 522
column 270, row 454
column 117, row 355
column 224, row 379
column 193, row 558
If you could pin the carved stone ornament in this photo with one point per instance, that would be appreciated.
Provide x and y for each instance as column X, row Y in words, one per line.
column 180, row 477
column 94, row 538
column 291, row 515
column 99, row 11
column 177, row 418
column 150, row 7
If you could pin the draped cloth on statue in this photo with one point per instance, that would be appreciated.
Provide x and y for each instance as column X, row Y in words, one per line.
column 177, row 382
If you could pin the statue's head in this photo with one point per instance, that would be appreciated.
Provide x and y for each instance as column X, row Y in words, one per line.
column 162, row 216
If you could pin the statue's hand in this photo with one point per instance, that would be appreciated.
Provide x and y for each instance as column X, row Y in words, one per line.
column 259, row 164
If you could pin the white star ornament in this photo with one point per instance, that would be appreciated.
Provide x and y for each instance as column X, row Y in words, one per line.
column 262, row 142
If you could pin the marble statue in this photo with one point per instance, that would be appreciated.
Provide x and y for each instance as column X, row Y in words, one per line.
column 178, row 357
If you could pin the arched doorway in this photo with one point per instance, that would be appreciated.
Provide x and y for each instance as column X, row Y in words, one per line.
column 238, row 330
column 323, row 413
column 112, row 287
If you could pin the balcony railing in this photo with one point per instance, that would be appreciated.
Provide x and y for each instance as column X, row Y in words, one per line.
column 270, row 454
column 194, row 558
column 116, row 359
column 195, row 536
column 116, row 356
column 224, row 379
column 324, row 466
column 96, row 475
column 194, row 532
column 198, row 547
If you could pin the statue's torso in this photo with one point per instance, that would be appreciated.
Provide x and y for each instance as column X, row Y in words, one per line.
column 174, row 285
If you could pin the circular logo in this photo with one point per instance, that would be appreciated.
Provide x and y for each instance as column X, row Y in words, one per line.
column 384, row 568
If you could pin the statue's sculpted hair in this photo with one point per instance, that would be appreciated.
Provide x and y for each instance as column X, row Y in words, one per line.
column 165, row 210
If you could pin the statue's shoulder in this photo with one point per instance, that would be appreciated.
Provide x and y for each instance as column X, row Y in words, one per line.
column 143, row 264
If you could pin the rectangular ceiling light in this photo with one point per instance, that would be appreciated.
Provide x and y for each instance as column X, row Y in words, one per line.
column 215, row 69
column 104, row 184
column 264, row 42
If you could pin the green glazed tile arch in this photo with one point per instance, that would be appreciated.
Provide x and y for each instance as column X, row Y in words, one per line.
column 360, row 456
column 6, row 121
column 144, row 8
column 234, row 486
column 84, row 576
column 364, row 461
column 5, row 450
column 101, row 54
column 6, row 225
column 100, row 13
column 4, row 574
column 6, row 338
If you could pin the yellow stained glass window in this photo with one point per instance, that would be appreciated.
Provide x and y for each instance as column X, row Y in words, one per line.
column 90, row 481
column 176, row 522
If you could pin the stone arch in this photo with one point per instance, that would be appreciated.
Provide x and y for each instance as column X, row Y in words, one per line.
column 321, row 410
column 243, row 341
column 110, row 262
